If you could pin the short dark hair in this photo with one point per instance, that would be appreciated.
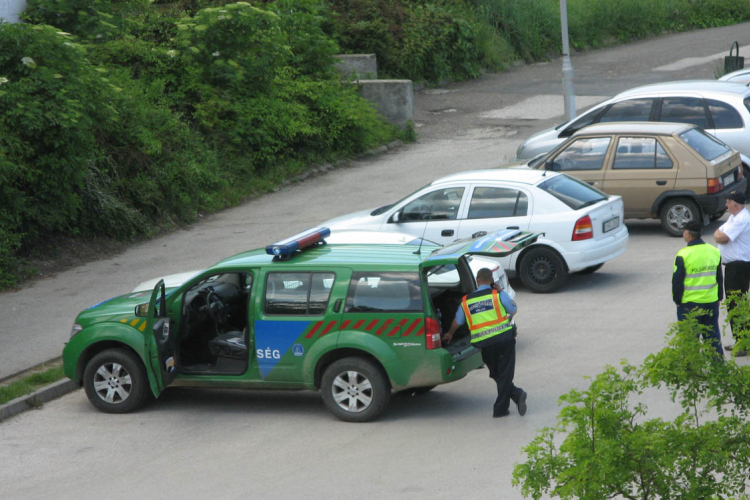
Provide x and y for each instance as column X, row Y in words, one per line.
column 485, row 275
column 694, row 228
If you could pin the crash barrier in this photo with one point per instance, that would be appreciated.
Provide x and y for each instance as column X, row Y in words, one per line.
column 360, row 66
column 394, row 99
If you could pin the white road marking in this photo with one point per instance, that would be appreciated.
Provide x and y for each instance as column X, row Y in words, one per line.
column 542, row 107
column 697, row 61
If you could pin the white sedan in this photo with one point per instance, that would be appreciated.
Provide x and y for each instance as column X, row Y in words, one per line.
column 583, row 227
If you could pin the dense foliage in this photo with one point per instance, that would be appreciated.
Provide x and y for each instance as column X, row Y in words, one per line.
column 608, row 444
column 126, row 117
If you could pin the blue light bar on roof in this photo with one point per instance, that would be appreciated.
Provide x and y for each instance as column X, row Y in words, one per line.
column 285, row 248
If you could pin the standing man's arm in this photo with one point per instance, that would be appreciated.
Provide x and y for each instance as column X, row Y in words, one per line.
column 720, row 281
column 721, row 237
column 678, row 280
column 509, row 304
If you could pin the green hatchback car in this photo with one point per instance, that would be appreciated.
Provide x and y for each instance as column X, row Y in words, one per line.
column 353, row 321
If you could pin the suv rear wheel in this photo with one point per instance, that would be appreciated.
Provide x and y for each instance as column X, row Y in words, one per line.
column 355, row 389
column 678, row 212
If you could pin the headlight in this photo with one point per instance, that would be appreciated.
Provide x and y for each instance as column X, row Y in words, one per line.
column 76, row 328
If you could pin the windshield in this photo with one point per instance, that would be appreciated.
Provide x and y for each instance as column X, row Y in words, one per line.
column 705, row 145
column 385, row 208
column 539, row 160
column 574, row 193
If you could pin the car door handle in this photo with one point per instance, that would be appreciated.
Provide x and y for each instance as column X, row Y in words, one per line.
column 447, row 232
column 512, row 227
column 661, row 183
column 337, row 305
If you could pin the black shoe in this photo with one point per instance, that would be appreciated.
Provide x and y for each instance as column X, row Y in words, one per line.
column 728, row 347
column 522, row 403
column 500, row 414
column 740, row 354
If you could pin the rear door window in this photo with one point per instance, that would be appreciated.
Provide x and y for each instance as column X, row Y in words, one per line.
column 298, row 294
column 632, row 110
column 724, row 115
column 574, row 193
column 705, row 145
column 384, row 292
column 684, row 110
column 583, row 154
column 489, row 202
column 640, row 153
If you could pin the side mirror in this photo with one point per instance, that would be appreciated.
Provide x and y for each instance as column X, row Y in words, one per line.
column 396, row 217
column 479, row 234
column 141, row 310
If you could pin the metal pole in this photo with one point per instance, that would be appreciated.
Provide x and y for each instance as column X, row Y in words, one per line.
column 567, row 69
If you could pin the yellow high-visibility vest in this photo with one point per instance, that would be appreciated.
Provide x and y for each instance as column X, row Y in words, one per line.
column 701, row 263
column 485, row 315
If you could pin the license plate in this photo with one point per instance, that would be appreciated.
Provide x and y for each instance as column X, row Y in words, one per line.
column 728, row 179
column 611, row 224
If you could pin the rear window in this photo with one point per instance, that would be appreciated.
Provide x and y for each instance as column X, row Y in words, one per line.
column 724, row 115
column 384, row 292
column 574, row 193
column 705, row 145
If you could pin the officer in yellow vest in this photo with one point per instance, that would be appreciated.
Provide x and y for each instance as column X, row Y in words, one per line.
column 697, row 282
column 488, row 312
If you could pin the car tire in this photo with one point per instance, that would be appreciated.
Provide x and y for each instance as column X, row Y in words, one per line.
column 591, row 269
column 355, row 389
column 115, row 381
column 542, row 270
column 677, row 212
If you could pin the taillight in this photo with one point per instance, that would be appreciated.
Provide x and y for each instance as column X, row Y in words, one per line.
column 740, row 173
column 714, row 185
column 432, row 333
column 583, row 229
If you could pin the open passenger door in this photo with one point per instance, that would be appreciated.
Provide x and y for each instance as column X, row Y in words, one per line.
column 497, row 244
column 159, row 337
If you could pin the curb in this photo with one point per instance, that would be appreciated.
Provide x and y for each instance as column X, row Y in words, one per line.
column 37, row 398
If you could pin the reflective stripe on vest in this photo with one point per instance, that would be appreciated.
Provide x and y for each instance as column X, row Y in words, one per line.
column 701, row 263
column 485, row 315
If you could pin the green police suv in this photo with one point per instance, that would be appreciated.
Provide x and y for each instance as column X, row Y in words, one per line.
column 353, row 321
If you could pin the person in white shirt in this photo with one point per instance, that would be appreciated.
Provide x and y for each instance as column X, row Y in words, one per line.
column 734, row 244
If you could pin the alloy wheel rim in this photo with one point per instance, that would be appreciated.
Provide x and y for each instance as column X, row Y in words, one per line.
column 678, row 216
column 112, row 383
column 352, row 391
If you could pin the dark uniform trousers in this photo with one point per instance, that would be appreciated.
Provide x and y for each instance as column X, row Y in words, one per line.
column 736, row 279
column 500, row 358
column 709, row 317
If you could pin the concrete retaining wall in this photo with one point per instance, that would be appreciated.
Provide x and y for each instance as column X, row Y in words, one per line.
column 364, row 66
column 394, row 99
column 10, row 10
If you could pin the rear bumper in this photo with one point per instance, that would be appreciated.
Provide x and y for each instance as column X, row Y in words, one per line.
column 714, row 203
column 598, row 252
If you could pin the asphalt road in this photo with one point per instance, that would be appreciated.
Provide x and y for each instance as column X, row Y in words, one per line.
column 228, row 444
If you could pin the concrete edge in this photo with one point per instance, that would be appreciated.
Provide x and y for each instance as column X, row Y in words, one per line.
column 37, row 398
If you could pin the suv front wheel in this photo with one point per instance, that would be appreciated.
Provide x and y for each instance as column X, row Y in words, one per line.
column 115, row 381
column 678, row 212
column 355, row 389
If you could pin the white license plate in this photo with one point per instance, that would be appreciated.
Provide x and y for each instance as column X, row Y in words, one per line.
column 610, row 224
column 728, row 179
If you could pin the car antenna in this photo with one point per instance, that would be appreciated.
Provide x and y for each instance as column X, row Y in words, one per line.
column 421, row 240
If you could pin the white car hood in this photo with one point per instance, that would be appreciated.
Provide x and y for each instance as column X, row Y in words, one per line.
column 171, row 281
column 359, row 220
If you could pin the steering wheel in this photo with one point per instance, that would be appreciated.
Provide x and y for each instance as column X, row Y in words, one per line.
column 216, row 308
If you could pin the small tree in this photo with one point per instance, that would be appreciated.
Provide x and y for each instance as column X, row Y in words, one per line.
column 605, row 444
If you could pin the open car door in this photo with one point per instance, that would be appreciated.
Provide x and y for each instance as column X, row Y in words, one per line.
column 159, row 337
column 497, row 244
